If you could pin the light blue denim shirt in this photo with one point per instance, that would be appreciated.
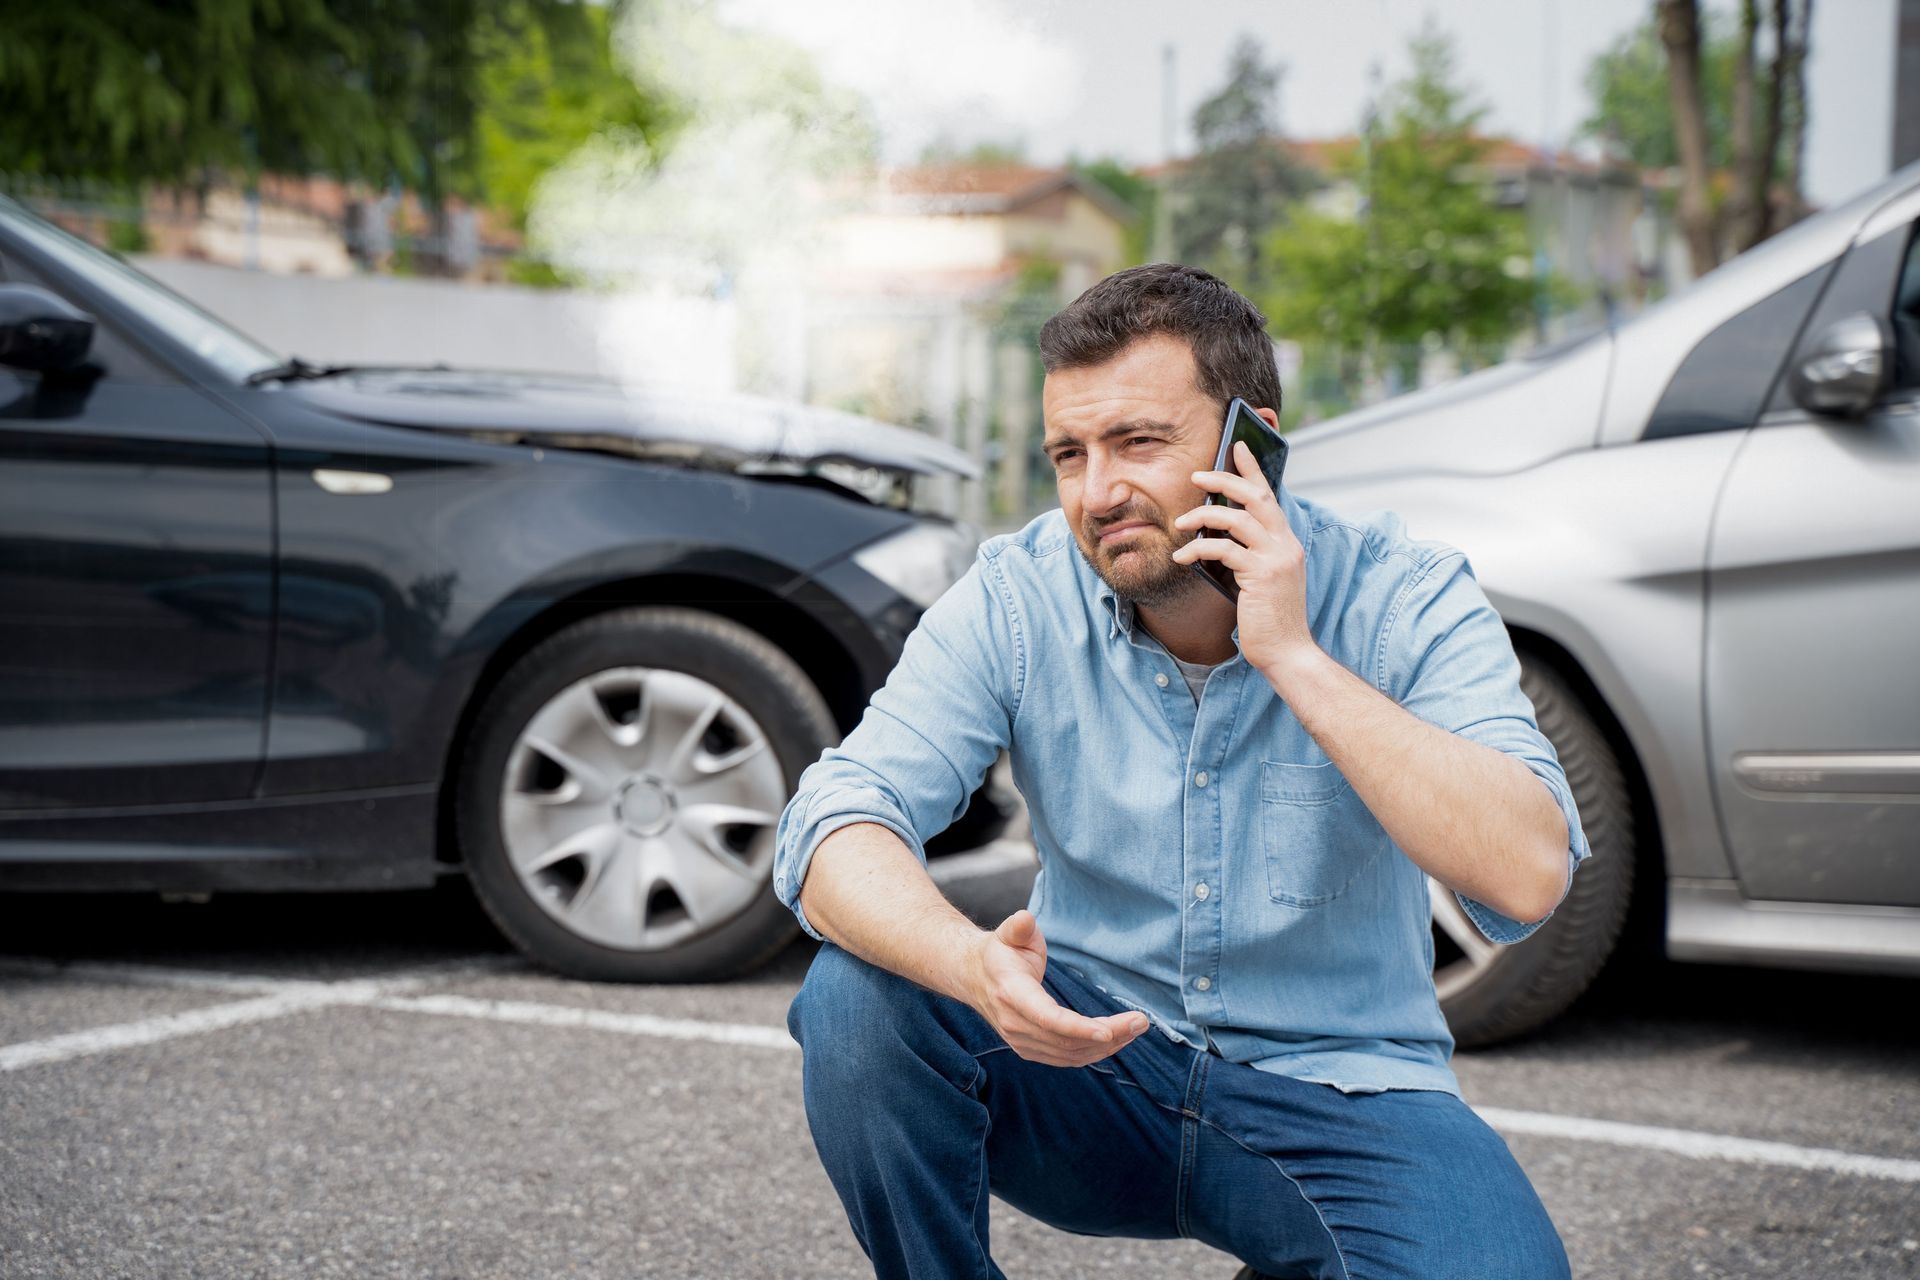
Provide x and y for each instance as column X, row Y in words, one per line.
column 1206, row 864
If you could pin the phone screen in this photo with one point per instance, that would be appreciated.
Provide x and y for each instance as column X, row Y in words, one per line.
column 1270, row 450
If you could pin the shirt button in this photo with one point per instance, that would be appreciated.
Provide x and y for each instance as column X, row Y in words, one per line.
column 1200, row 778
column 1200, row 890
column 1203, row 983
column 1160, row 679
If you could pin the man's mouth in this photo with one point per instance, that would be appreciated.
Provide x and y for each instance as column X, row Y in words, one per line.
column 1119, row 530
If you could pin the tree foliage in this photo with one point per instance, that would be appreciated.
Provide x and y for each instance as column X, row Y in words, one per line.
column 1137, row 193
column 944, row 150
column 547, row 89
column 131, row 91
column 1431, row 256
column 1632, row 106
column 1242, row 176
column 1688, row 89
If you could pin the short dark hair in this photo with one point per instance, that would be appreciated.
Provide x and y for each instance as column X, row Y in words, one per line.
column 1228, row 335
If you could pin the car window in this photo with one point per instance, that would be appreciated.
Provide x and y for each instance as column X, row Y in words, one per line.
column 111, row 350
column 206, row 335
column 1724, row 380
column 1905, row 320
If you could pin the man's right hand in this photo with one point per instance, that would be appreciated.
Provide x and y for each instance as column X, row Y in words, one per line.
column 1007, row 967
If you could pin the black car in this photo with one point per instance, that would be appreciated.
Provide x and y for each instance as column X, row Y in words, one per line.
column 269, row 626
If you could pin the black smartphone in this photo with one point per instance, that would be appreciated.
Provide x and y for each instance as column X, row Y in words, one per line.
column 1270, row 450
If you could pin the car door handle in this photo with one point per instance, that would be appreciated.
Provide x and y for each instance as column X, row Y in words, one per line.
column 352, row 483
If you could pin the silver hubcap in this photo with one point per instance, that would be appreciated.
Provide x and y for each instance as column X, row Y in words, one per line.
column 639, row 807
column 1476, row 954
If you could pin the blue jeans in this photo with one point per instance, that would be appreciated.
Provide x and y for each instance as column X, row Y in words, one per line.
column 919, row 1110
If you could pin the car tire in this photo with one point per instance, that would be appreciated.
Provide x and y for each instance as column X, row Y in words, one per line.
column 1497, row 993
column 603, row 836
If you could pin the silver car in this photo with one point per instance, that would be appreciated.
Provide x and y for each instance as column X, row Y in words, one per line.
column 1703, row 531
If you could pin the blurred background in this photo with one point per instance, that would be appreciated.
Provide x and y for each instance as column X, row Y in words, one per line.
column 875, row 209
column 579, row 404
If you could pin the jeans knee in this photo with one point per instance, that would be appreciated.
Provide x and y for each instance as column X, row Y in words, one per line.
column 854, row 1020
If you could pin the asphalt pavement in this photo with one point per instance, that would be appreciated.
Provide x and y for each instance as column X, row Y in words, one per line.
column 375, row 1085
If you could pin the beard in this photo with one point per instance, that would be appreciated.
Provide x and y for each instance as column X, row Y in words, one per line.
column 1139, row 566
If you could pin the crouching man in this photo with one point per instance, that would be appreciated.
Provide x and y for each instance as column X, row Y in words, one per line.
column 1216, row 1018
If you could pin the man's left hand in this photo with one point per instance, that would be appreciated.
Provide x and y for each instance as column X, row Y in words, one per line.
column 1267, row 560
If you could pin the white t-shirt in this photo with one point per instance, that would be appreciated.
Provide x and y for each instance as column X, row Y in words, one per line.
column 1196, row 674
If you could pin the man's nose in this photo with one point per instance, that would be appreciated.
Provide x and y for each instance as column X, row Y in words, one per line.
column 1106, row 489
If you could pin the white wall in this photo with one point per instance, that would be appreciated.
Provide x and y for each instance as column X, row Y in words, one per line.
column 387, row 320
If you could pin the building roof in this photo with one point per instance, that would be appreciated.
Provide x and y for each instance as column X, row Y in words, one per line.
column 990, row 188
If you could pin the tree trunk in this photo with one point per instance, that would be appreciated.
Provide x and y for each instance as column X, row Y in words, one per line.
column 1769, row 158
column 1760, row 220
column 1793, row 47
column 1743, row 213
column 1680, row 33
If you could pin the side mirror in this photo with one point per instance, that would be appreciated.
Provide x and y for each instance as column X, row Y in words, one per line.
column 1845, row 367
column 41, row 330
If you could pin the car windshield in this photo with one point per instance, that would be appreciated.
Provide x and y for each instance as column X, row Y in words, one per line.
column 230, row 351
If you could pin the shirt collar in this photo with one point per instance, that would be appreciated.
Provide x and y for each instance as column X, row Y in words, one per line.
column 1120, row 612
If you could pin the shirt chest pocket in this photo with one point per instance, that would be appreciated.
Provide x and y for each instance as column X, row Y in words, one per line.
column 1316, row 834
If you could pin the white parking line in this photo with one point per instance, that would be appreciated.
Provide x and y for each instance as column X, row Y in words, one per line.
column 124, row 1035
column 288, row 996
column 1701, row 1146
column 553, row 1015
column 278, row 997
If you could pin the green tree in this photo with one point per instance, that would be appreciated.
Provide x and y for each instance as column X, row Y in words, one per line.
column 943, row 150
column 543, row 92
column 1137, row 193
column 131, row 91
column 1430, row 258
column 1750, row 114
column 1236, row 188
column 386, row 91
column 1632, row 106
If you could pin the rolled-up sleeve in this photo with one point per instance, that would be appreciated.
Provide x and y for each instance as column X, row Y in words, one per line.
column 928, row 736
column 1448, row 659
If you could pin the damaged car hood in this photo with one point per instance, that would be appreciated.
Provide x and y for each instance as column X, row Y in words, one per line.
column 720, row 430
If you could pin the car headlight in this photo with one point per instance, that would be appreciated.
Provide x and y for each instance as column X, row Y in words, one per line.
column 923, row 559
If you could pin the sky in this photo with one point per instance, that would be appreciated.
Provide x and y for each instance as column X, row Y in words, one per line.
column 1086, row 77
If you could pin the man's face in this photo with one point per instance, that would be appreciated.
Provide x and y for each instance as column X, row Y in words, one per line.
column 1125, row 438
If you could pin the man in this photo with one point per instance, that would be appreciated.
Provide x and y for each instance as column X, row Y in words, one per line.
column 1216, row 1019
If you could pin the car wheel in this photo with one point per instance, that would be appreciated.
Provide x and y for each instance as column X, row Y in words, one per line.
column 618, row 801
column 1491, row 993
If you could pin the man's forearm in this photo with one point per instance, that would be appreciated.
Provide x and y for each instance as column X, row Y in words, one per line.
column 1471, row 816
column 866, row 892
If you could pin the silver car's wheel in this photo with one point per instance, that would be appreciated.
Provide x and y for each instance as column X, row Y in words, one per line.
column 620, row 794
column 1489, row 992
column 1462, row 954
column 639, row 807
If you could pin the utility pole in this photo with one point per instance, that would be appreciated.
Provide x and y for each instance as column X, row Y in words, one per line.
column 1370, row 281
column 1161, row 250
column 1169, row 110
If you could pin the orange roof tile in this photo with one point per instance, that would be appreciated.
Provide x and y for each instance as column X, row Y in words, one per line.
column 968, row 179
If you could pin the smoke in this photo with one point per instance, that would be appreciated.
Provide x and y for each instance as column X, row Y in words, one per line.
column 787, row 109
column 741, row 180
column 969, row 67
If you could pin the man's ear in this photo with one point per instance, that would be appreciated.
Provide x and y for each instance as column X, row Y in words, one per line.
column 1273, row 419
